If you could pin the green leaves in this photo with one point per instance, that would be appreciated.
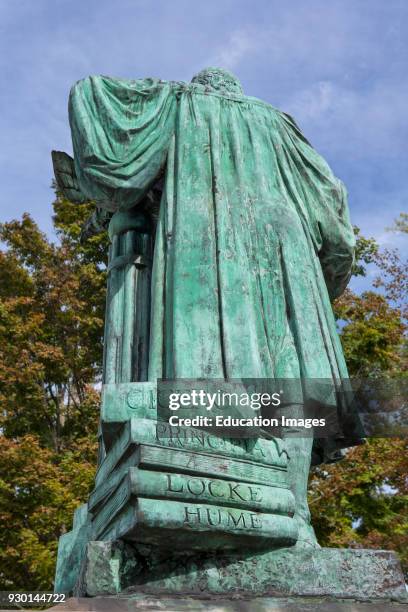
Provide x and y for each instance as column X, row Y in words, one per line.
column 372, row 333
column 362, row 501
column 52, row 301
column 365, row 253
column 39, row 491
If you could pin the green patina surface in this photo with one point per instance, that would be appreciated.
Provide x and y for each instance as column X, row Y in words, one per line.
column 360, row 574
column 253, row 232
column 229, row 237
column 137, row 431
column 148, row 458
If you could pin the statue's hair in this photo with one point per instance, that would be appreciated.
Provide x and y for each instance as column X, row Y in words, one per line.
column 219, row 80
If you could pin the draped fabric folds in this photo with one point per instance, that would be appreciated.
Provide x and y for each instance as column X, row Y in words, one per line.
column 253, row 238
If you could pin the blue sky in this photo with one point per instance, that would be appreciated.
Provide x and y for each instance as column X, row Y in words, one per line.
column 339, row 66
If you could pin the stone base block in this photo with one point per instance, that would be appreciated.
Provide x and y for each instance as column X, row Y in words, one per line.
column 118, row 568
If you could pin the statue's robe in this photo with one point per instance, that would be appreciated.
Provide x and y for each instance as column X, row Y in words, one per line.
column 253, row 238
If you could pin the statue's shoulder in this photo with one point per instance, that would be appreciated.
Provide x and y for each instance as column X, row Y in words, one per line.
column 278, row 118
column 117, row 84
column 290, row 124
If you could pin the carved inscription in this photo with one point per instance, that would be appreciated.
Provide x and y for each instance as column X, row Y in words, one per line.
column 192, row 490
column 188, row 437
column 205, row 488
column 214, row 457
column 139, row 398
column 226, row 518
column 167, row 459
column 199, row 524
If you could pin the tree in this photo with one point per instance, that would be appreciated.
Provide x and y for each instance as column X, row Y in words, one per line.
column 362, row 500
column 39, row 491
column 372, row 333
column 400, row 224
column 52, row 301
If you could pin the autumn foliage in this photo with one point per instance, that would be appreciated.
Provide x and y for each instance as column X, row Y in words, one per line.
column 52, row 300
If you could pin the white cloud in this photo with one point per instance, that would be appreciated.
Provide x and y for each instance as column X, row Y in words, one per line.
column 359, row 123
column 313, row 102
column 229, row 55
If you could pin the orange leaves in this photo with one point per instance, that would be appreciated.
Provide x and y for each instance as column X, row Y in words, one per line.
column 39, row 490
column 363, row 500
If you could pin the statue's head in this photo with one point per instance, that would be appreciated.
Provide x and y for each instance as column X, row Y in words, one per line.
column 219, row 80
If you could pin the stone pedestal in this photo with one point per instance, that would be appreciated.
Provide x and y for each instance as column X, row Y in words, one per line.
column 123, row 570
column 179, row 512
